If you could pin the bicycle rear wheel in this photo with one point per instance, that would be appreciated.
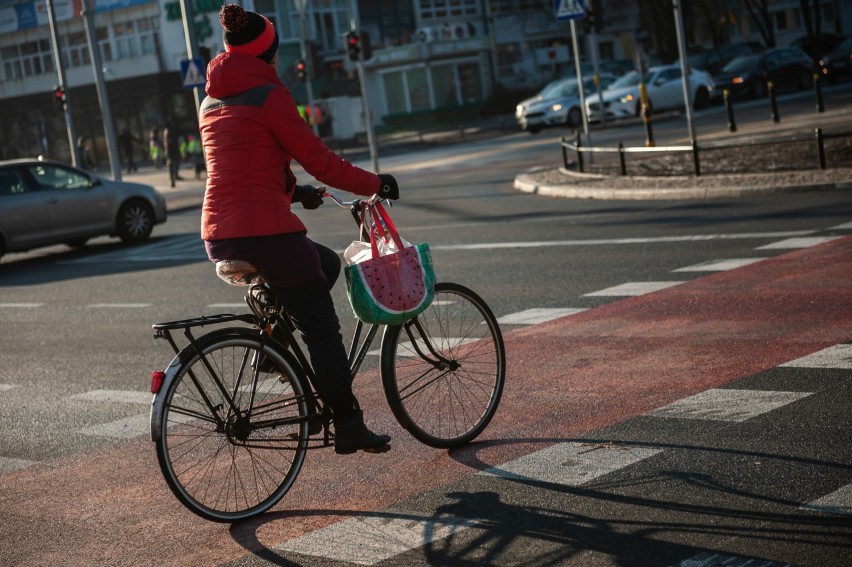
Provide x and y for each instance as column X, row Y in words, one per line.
column 443, row 371
column 233, row 428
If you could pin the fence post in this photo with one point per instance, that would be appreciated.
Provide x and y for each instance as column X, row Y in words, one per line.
column 562, row 142
column 577, row 143
column 695, row 159
column 818, row 89
column 732, row 124
column 773, row 100
column 621, row 158
column 820, row 148
column 649, row 132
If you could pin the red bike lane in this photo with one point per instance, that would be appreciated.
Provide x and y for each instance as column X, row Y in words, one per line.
column 565, row 378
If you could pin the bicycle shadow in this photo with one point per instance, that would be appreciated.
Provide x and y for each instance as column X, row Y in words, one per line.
column 481, row 519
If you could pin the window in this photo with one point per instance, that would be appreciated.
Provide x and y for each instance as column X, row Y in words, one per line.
column 30, row 58
column 441, row 9
column 11, row 183
column 58, row 178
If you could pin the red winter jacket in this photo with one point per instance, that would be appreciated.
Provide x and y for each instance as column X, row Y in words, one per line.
column 251, row 130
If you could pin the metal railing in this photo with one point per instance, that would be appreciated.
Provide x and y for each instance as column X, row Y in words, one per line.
column 579, row 150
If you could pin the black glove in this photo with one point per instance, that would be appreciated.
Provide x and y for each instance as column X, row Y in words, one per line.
column 389, row 188
column 309, row 196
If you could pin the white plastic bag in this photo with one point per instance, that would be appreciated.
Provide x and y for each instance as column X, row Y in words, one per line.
column 360, row 250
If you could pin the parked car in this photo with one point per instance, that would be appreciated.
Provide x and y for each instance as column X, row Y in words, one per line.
column 837, row 63
column 713, row 60
column 818, row 45
column 748, row 75
column 45, row 202
column 558, row 104
column 664, row 85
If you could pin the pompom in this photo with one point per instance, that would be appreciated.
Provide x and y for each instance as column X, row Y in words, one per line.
column 233, row 17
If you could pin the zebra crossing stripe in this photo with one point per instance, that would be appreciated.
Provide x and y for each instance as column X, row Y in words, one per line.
column 8, row 464
column 801, row 242
column 120, row 396
column 727, row 405
column 121, row 428
column 536, row 316
column 720, row 265
column 711, row 559
column 571, row 464
column 369, row 540
column 632, row 289
column 837, row 356
column 21, row 305
column 118, row 305
column 7, row 387
column 837, row 502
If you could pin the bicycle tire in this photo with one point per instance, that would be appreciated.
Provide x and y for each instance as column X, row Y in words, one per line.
column 447, row 404
column 232, row 470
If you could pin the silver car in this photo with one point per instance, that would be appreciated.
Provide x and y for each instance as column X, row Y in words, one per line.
column 45, row 202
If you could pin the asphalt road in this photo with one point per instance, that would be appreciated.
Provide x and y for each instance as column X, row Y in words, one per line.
column 677, row 390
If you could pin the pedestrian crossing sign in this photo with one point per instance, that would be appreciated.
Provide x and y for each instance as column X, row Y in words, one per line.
column 192, row 73
column 570, row 9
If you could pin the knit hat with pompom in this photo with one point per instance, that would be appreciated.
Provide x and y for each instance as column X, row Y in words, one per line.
column 247, row 32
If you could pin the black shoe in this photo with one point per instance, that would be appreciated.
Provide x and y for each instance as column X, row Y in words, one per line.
column 350, row 435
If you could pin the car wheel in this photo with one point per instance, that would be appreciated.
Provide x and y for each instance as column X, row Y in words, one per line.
column 574, row 118
column 702, row 98
column 135, row 221
column 79, row 243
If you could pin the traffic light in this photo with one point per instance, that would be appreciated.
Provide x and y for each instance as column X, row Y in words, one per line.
column 301, row 70
column 353, row 45
column 59, row 97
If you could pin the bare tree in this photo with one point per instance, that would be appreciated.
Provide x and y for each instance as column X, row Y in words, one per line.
column 758, row 10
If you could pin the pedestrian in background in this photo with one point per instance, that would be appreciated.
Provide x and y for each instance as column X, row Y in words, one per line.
column 155, row 148
column 125, row 145
column 196, row 155
column 171, row 147
column 86, row 161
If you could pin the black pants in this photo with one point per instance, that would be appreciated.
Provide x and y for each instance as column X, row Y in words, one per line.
column 311, row 307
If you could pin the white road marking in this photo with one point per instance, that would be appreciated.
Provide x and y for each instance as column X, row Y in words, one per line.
column 118, row 305
column 838, row 502
column 7, row 387
column 837, row 356
column 536, row 316
column 727, row 405
column 9, row 464
column 369, row 540
column 720, row 265
column 21, row 305
column 122, row 428
column 227, row 306
column 711, row 559
column 790, row 243
column 617, row 241
column 120, row 396
column 571, row 464
column 632, row 289
column 844, row 226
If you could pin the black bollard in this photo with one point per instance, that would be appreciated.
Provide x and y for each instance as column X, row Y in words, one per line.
column 649, row 132
column 820, row 148
column 732, row 124
column 621, row 158
column 773, row 101
column 577, row 143
column 818, row 89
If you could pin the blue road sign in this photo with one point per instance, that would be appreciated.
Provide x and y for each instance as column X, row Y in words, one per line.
column 570, row 9
column 192, row 73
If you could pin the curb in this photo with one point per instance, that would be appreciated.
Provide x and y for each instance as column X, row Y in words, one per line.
column 526, row 183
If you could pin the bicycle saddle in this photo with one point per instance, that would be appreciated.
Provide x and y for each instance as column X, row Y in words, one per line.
column 238, row 272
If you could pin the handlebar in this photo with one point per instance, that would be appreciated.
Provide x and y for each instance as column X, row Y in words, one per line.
column 342, row 203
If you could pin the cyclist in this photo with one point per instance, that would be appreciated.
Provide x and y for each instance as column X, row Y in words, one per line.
column 251, row 130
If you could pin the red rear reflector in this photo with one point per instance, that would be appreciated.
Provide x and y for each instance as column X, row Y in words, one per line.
column 157, row 380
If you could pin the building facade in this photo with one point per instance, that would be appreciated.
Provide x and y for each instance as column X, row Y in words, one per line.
column 430, row 58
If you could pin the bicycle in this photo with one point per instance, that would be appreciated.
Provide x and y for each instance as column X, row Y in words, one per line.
column 236, row 410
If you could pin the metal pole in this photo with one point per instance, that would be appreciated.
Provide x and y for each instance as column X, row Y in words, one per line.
column 60, row 75
column 309, row 65
column 368, row 122
column 593, row 50
column 684, row 67
column 580, row 82
column 103, row 96
column 191, row 45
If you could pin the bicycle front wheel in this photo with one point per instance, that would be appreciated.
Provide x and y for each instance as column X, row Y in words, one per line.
column 233, row 428
column 443, row 371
